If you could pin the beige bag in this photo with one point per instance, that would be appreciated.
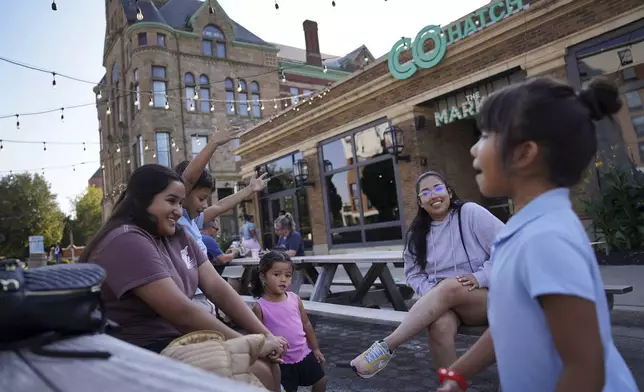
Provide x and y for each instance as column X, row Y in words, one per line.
column 209, row 350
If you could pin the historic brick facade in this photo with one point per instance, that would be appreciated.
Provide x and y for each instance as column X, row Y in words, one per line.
column 533, row 42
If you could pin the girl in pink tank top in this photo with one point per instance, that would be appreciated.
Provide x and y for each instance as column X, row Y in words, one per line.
column 282, row 313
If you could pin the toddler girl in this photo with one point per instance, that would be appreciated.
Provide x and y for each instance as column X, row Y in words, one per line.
column 549, row 320
column 283, row 314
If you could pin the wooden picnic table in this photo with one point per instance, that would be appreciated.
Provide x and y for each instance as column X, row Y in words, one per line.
column 129, row 369
column 304, row 265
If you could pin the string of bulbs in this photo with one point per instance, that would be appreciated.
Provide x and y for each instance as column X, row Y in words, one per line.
column 42, row 169
column 277, row 6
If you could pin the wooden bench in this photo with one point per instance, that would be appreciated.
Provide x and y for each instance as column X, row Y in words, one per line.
column 613, row 290
column 388, row 317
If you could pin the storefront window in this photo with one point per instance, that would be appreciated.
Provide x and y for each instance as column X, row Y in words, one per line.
column 283, row 193
column 361, row 195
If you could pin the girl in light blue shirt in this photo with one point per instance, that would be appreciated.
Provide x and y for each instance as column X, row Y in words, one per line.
column 548, row 315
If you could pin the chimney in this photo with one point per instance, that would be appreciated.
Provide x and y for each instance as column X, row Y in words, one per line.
column 313, row 56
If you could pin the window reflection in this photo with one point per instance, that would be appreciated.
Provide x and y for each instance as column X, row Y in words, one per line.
column 370, row 142
column 379, row 193
column 342, row 212
column 338, row 152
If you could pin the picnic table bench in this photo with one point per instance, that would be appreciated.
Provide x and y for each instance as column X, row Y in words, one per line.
column 129, row 369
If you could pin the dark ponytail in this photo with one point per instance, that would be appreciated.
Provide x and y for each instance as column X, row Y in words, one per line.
column 265, row 265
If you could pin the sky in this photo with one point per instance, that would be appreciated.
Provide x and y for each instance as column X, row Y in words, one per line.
column 69, row 41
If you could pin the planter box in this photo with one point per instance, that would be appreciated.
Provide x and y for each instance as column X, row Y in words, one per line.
column 621, row 258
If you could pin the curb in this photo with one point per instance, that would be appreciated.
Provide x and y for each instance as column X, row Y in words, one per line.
column 627, row 316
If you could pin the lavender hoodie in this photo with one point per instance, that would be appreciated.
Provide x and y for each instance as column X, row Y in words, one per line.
column 446, row 257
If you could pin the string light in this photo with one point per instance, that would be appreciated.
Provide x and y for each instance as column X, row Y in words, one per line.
column 139, row 13
column 54, row 7
column 192, row 107
column 118, row 148
column 196, row 96
column 136, row 101
column 62, row 114
column 53, row 82
column 333, row 3
column 48, row 168
column 212, row 107
column 146, row 147
column 44, row 146
column 151, row 102
column 108, row 111
column 167, row 105
column 277, row 6
column 99, row 95
column 1, row 146
column 17, row 121
column 275, row 101
column 84, row 147
column 325, row 70
column 211, row 10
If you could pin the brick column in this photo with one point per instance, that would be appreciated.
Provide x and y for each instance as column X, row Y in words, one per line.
column 315, row 200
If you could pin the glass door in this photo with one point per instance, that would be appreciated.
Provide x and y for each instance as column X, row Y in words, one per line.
column 272, row 207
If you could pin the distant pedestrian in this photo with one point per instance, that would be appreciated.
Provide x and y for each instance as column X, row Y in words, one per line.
column 57, row 253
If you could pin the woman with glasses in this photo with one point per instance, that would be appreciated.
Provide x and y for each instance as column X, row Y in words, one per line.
column 447, row 253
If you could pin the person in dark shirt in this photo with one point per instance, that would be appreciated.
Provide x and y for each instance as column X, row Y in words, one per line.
column 290, row 240
column 214, row 252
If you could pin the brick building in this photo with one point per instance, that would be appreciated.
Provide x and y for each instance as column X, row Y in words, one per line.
column 96, row 179
column 175, row 69
column 355, row 193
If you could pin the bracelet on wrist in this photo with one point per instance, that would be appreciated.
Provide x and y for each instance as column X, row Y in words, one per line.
column 447, row 374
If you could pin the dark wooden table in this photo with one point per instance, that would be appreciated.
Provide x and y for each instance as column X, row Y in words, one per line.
column 130, row 369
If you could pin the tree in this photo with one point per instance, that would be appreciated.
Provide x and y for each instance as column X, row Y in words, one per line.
column 27, row 207
column 88, row 215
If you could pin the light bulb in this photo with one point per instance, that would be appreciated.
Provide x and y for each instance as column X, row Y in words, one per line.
column 277, row 6
column 108, row 111
column 154, row 155
column 275, row 106
column 262, row 107
column 62, row 115
column 212, row 107
column 151, row 102
column 118, row 148
column 239, row 89
column 325, row 70
column 128, row 161
column 53, row 82
column 192, row 107
column 99, row 95
column 196, row 96
column 167, row 105
column 84, row 147
column 17, row 121
column 247, row 107
column 53, row 6
column 232, row 107
column 139, row 14
column 146, row 147
column 136, row 102
column 44, row 146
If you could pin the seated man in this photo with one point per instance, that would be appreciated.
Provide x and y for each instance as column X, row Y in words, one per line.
column 214, row 252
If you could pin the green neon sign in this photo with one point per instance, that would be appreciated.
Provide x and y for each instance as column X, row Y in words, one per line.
column 444, row 37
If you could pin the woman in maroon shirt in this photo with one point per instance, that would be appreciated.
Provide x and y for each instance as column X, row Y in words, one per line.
column 154, row 268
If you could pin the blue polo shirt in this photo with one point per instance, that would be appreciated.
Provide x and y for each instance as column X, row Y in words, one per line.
column 193, row 228
column 544, row 250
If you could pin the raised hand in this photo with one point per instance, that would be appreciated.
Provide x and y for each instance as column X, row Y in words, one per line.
column 224, row 136
column 258, row 184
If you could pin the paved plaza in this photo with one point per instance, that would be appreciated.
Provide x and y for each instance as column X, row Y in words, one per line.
column 412, row 369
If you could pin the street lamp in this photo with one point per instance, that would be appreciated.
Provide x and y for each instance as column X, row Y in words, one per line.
column 301, row 172
column 394, row 143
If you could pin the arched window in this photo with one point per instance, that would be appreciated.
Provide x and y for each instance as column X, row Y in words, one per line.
column 255, row 99
column 189, row 82
column 115, row 95
column 214, row 42
column 242, row 89
column 230, row 97
column 204, row 94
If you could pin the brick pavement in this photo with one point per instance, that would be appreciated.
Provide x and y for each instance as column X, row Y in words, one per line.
column 411, row 369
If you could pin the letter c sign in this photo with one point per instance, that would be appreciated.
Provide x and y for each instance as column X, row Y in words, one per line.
column 420, row 58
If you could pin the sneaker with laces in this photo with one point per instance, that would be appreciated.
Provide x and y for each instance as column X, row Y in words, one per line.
column 372, row 361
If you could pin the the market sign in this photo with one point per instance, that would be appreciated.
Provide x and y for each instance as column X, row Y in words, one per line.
column 469, row 108
column 444, row 37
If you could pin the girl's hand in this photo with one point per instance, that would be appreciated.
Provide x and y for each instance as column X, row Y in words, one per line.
column 449, row 386
column 274, row 349
column 319, row 357
column 468, row 280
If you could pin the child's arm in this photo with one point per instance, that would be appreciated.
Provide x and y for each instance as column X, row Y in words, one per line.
column 258, row 312
column 580, row 348
column 228, row 203
column 310, row 334
column 195, row 167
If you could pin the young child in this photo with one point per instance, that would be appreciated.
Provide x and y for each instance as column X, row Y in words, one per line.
column 283, row 314
column 549, row 320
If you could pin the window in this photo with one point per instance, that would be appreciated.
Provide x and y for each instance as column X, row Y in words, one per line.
column 283, row 193
column 633, row 100
column 641, row 146
column 638, row 124
column 189, row 81
column 116, row 95
column 139, row 158
column 204, row 94
column 235, row 145
column 629, row 74
column 214, row 42
column 360, row 183
column 230, row 97
column 143, row 39
column 136, row 102
column 255, row 100
column 198, row 143
column 159, row 86
column 295, row 95
column 161, row 39
column 100, row 138
column 244, row 108
column 307, row 92
column 164, row 156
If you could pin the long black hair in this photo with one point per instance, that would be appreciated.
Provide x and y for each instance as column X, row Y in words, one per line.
column 265, row 265
column 131, row 207
column 416, row 241
column 554, row 116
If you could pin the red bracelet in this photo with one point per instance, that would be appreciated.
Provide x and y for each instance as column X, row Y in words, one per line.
column 446, row 374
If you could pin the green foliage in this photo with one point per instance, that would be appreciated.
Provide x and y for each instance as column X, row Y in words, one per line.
column 88, row 215
column 618, row 211
column 27, row 207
